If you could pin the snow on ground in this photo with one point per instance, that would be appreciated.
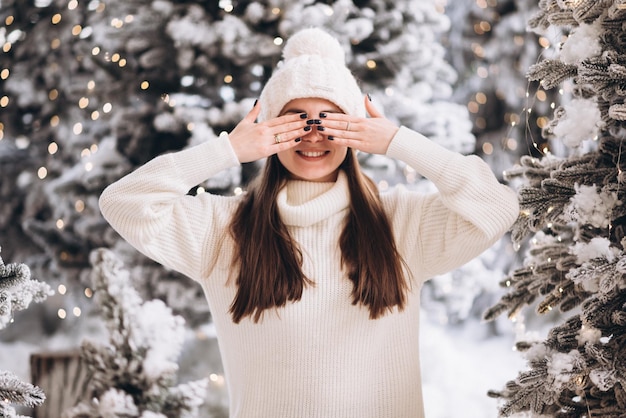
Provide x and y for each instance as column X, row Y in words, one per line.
column 460, row 364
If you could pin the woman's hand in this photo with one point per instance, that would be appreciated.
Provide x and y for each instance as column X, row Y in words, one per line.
column 253, row 141
column 371, row 135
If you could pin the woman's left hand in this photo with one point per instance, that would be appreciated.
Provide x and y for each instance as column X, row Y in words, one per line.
column 371, row 135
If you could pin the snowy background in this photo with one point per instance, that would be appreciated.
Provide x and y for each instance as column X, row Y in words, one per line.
column 90, row 90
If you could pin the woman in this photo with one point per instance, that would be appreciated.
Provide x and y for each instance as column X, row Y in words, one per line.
column 312, row 278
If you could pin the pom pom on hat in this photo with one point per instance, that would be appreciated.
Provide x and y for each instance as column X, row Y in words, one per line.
column 314, row 41
column 313, row 66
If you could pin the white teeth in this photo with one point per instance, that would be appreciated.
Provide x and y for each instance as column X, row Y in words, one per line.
column 312, row 154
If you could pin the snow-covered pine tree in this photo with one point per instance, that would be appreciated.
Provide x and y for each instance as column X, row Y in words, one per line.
column 573, row 209
column 17, row 291
column 134, row 374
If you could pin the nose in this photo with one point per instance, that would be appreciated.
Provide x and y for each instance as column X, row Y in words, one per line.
column 314, row 135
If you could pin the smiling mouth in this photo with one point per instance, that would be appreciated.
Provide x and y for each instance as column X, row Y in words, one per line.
column 312, row 154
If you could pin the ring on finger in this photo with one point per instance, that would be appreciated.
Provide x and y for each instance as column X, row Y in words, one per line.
column 347, row 125
column 277, row 138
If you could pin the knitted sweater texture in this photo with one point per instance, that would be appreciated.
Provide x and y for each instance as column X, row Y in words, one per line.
column 319, row 357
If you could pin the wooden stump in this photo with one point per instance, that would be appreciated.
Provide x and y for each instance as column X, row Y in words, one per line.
column 63, row 378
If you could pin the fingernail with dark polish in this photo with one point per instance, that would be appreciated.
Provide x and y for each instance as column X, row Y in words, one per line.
column 307, row 128
column 298, row 139
column 331, row 138
column 255, row 102
column 303, row 116
column 310, row 121
column 369, row 97
column 320, row 128
column 322, row 115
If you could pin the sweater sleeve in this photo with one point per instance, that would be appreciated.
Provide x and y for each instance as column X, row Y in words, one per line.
column 470, row 211
column 151, row 209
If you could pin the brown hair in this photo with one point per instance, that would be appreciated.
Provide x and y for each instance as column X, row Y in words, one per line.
column 269, row 260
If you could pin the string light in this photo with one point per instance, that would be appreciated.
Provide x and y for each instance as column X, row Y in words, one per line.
column 217, row 379
column 117, row 23
column 42, row 173
column 226, row 5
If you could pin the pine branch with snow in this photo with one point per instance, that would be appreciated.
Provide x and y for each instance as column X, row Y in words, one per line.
column 14, row 391
column 17, row 291
column 134, row 374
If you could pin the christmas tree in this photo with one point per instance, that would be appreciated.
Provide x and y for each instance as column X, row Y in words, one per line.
column 573, row 213
column 17, row 291
column 134, row 374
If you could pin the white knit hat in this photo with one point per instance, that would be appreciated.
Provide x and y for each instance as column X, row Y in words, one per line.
column 313, row 66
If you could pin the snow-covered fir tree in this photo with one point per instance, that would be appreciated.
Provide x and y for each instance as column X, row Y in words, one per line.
column 17, row 292
column 134, row 374
column 573, row 211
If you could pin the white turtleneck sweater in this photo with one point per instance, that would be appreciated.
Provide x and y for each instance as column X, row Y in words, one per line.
column 320, row 356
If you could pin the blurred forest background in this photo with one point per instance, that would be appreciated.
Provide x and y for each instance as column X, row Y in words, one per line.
column 91, row 89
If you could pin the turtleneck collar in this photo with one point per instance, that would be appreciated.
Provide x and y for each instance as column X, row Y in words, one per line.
column 304, row 203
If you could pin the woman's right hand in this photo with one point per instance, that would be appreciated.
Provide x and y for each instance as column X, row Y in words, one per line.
column 253, row 141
